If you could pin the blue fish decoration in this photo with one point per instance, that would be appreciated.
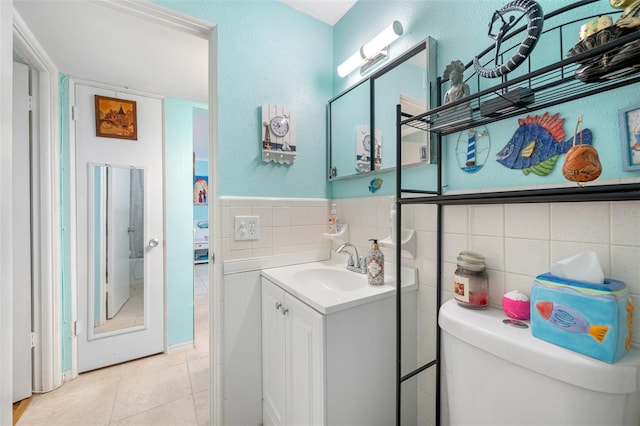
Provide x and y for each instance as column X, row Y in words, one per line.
column 565, row 318
column 537, row 144
column 375, row 184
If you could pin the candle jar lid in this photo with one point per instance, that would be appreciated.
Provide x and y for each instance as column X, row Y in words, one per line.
column 471, row 261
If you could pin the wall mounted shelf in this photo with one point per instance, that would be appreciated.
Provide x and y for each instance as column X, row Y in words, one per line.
column 551, row 85
column 408, row 244
column 343, row 235
column 281, row 157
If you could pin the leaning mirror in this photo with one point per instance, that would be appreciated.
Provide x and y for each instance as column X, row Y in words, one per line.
column 116, row 249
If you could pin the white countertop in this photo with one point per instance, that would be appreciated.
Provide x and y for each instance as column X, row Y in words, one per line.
column 315, row 283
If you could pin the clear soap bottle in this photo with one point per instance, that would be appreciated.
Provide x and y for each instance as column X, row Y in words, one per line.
column 333, row 220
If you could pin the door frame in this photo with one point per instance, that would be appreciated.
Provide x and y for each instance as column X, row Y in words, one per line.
column 46, row 308
column 47, row 362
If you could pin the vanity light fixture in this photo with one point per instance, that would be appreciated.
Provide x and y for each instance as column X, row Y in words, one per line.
column 372, row 52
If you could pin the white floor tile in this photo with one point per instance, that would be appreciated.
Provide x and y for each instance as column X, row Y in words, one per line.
column 157, row 390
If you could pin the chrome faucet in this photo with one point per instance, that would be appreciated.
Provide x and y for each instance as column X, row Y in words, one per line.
column 356, row 266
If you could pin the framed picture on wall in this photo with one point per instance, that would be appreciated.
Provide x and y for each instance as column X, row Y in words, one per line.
column 200, row 190
column 116, row 118
column 630, row 137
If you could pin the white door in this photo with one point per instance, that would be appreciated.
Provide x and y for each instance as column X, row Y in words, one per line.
column 119, row 213
column 137, row 329
column 21, row 235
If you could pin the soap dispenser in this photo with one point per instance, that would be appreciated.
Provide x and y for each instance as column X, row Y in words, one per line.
column 375, row 264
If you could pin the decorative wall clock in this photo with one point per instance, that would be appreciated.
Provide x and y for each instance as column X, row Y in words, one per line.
column 504, row 20
column 278, row 134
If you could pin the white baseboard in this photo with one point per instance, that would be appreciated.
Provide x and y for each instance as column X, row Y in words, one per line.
column 180, row 347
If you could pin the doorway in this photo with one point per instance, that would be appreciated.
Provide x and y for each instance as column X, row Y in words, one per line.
column 54, row 315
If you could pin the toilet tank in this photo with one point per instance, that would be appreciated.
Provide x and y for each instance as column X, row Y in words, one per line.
column 497, row 374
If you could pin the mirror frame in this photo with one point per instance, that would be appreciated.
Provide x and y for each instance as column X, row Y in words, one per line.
column 428, row 45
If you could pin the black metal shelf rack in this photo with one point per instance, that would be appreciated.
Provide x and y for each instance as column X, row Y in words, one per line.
column 550, row 85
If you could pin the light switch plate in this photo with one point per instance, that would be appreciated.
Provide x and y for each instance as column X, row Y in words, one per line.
column 246, row 228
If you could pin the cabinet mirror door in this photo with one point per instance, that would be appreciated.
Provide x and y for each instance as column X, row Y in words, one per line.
column 371, row 104
column 407, row 85
column 349, row 116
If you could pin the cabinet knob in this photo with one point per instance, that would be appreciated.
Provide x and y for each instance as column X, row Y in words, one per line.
column 278, row 305
column 284, row 311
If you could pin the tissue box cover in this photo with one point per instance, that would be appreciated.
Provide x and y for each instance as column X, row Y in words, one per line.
column 592, row 319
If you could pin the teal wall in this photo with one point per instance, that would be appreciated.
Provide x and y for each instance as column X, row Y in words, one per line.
column 201, row 212
column 268, row 53
column 460, row 28
column 179, row 220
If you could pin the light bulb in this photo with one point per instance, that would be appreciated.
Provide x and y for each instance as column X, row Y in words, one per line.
column 382, row 40
column 371, row 49
column 350, row 64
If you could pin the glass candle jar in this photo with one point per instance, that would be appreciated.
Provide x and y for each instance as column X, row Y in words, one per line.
column 471, row 286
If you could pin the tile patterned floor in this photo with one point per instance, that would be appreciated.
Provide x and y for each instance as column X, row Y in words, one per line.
column 157, row 390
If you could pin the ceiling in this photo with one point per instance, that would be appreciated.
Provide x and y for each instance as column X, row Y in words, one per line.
column 329, row 11
column 99, row 42
column 96, row 41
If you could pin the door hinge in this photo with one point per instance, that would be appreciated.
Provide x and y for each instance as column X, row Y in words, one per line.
column 30, row 103
column 212, row 258
column 76, row 328
column 73, row 112
column 35, row 340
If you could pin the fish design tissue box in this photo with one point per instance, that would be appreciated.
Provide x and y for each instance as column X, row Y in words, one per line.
column 589, row 318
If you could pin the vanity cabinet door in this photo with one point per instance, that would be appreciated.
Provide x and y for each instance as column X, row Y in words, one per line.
column 304, row 373
column 273, row 355
column 292, row 360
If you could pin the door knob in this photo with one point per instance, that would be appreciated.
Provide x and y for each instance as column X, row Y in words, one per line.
column 153, row 242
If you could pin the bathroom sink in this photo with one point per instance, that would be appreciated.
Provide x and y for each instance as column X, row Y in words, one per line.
column 329, row 287
column 332, row 279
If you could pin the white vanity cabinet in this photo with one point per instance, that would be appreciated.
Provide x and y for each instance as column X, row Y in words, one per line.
column 292, row 360
column 331, row 368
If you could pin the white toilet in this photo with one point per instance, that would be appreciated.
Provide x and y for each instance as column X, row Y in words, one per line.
column 497, row 374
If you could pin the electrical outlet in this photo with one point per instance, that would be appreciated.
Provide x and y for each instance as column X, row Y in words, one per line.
column 247, row 228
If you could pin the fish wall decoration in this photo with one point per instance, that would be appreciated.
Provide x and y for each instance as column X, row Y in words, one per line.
column 537, row 144
column 375, row 184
